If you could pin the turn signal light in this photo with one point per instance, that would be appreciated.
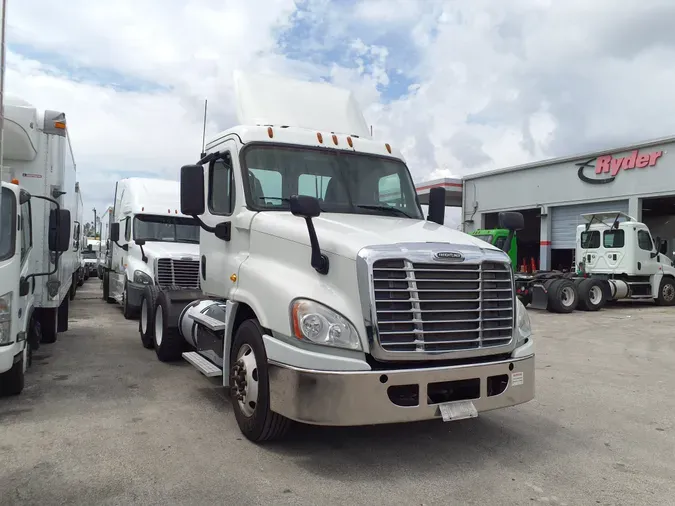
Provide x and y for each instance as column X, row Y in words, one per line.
column 270, row 132
column 14, row 181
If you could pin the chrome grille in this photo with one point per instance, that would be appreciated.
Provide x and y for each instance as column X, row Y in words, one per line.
column 178, row 273
column 434, row 308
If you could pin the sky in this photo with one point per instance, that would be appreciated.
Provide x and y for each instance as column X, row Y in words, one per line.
column 460, row 86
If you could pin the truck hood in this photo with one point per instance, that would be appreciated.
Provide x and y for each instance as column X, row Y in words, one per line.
column 170, row 249
column 347, row 234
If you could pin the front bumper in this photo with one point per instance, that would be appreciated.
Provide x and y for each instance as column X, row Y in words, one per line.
column 362, row 398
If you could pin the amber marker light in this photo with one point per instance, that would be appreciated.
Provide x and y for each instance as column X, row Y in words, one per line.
column 270, row 132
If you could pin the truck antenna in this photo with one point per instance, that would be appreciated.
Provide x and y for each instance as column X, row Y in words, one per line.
column 204, row 129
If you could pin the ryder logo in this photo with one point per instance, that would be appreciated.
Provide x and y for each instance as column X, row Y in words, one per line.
column 611, row 166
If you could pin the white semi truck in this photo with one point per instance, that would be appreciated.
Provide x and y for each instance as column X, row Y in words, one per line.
column 103, row 248
column 158, row 245
column 616, row 258
column 21, row 277
column 327, row 299
column 38, row 154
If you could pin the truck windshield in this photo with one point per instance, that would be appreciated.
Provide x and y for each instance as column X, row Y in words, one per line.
column 7, row 224
column 486, row 238
column 166, row 229
column 344, row 182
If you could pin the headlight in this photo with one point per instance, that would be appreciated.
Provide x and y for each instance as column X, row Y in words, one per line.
column 320, row 325
column 142, row 278
column 523, row 325
column 5, row 318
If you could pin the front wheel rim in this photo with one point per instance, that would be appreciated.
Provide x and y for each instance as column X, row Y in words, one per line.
column 668, row 292
column 245, row 380
column 159, row 325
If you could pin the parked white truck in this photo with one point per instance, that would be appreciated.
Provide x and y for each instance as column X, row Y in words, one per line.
column 102, row 251
column 21, row 277
column 37, row 153
column 328, row 300
column 158, row 245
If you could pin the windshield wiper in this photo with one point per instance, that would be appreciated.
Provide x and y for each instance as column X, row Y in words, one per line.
column 283, row 199
column 393, row 210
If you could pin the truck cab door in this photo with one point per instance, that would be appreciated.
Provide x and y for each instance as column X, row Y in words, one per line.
column 647, row 256
column 119, row 259
column 219, row 259
column 26, row 297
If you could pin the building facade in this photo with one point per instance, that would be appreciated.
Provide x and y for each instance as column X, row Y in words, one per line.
column 638, row 180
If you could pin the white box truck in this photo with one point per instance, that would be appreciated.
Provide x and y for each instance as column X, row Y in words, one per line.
column 38, row 154
column 158, row 245
column 101, row 260
column 20, row 276
column 328, row 298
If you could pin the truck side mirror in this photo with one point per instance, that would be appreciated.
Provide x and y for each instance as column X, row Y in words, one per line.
column 512, row 221
column 305, row 206
column 115, row 232
column 437, row 205
column 24, row 197
column 59, row 230
column 192, row 190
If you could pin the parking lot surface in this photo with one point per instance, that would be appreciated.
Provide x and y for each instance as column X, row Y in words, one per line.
column 102, row 421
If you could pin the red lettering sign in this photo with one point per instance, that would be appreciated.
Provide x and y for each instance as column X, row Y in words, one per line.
column 610, row 165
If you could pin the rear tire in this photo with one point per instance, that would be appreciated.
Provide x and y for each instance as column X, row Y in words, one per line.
column 591, row 294
column 254, row 417
column 48, row 325
column 168, row 341
column 562, row 296
column 13, row 381
column 73, row 288
column 146, row 322
column 666, row 295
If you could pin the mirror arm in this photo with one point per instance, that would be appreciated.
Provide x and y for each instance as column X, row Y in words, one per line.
column 143, row 257
column 507, row 244
column 204, row 225
column 41, row 274
column 319, row 260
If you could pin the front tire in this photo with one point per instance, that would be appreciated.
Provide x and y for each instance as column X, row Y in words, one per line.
column 249, row 386
column 128, row 310
column 666, row 295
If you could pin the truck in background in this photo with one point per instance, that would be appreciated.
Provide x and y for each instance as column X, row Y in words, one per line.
column 159, row 245
column 616, row 258
column 326, row 299
column 20, row 275
column 38, row 154
column 104, row 240
column 78, row 241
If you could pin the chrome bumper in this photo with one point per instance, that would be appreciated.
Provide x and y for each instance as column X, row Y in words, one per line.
column 361, row 397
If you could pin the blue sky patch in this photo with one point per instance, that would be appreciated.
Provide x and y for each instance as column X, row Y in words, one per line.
column 60, row 65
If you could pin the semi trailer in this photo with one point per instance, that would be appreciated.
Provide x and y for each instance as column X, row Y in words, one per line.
column 325, row 298
column 38, row 154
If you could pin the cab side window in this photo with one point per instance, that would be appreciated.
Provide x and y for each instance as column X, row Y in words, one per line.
column 221, row 186
column 645, row 240
column 127, row 229
column 26, row 231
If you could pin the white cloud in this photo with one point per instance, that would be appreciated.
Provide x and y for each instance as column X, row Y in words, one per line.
column 459, row 86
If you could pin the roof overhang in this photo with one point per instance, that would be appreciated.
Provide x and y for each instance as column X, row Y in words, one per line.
column 453, row 191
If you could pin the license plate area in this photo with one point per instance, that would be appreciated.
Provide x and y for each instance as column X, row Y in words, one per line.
column 458, row 410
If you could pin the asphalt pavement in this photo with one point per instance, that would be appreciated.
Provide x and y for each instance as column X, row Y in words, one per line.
column 102, row 421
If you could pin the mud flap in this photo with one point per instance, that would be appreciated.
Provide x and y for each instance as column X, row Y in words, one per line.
column 539, row 297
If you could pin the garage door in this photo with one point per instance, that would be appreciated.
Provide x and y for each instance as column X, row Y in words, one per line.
column 564, row 220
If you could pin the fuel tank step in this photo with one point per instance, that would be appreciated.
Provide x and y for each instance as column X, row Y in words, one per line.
column 202, row 365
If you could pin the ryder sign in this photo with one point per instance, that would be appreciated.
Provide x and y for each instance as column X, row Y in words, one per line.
column 612, row 165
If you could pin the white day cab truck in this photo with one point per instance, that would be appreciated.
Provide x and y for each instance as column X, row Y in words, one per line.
column 38, row 155
column 20, row 276
column 328, row 299
column 616, row 258
column 153, row 245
